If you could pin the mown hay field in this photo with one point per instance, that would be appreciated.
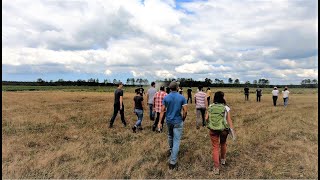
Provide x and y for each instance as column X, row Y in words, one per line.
column 57, row 134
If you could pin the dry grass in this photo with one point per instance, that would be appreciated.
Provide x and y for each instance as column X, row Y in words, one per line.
column 65, row 135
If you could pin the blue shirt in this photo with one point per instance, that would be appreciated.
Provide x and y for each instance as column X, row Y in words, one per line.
column 174, row 102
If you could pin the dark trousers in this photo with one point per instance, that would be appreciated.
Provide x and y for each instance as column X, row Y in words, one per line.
column 258, row 98
column 208, row 99
column 189, row 97
column 246, row 97
column 116, row 108
column 275, row 98
column 155, row 125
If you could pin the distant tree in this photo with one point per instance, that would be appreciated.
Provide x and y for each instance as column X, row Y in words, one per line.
column 60, row 80
column 97, row 80
column 230, row 80
column 115, row 81
column 247, row 82
column 314, row 81
column 237, row 81
column 39, row 80
column 208, row 81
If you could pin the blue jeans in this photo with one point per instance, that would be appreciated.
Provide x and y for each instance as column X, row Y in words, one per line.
column 285, row 101
column 174, row 136
column 151, row 114
column 139, row 114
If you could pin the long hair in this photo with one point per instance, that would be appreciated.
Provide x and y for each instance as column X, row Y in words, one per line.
column 219, row 97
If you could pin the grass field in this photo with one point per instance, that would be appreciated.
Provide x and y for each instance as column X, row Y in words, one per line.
column 59, row 134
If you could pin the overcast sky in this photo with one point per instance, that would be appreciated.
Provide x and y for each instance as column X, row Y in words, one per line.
column 157, row 39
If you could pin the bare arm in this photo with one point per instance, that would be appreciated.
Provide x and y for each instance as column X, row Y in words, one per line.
column 229, row 120
column 121, row 102
column 207, row 116
column 185, row 111
column 163, row 109
column 147, row 97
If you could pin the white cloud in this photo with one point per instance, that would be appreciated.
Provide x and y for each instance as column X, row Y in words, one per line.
column 108, row 72
column 156, row 39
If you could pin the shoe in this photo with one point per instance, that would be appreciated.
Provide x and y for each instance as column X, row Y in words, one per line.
column 169, row 153
column 140, row 128
column 124, row 124
column 172, row 166
column 110, row 126
column 223, row 161
column 216, row 171
column 134, row 128
column 153, row 128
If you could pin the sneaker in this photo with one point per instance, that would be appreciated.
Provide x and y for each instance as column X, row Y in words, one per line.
column 140, row 128
column 124, row 124
column 216, row 171
column 172, row 166
column 153, row 128
column 223, row 161
column 134, row 128
column 110, row 126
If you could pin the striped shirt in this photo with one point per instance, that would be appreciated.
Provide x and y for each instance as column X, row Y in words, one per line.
column 157, row 100
column 200, row 99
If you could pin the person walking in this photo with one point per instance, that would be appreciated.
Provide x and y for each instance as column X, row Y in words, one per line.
column 167, row 90
column 138, row 110
column 118, row 105
column 285, row 95
column 220, row 124
column 208, row 91
column 201, row 104
column 246, row 93
column 150, row 93
column 173, row 103
column 189, row 95
column 259, row 94
column 157, row 103
column 275, row 94
column 181, row 91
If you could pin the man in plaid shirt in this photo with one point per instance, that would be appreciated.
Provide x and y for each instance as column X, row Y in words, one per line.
column 157, row 103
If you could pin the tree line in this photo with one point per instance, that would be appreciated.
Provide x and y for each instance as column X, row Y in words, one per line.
column 184, row 82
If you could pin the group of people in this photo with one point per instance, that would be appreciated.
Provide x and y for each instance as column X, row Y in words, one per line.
column 173, row 107
column 274, row 92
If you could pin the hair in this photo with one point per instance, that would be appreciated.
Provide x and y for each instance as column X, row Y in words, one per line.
column 208, row 88
column 285, row 88
column 200, row 87
column 219, row 97
column 137, row 91
column 162, row 88
column 153, row 83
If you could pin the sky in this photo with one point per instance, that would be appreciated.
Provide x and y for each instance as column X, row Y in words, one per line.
column 156, row 39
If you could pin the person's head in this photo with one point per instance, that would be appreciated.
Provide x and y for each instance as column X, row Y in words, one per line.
column 153, row 84
column 275, row 88
column 173, row 86
column 120, row 84
column 137, row 91
column 285, row 88
column 219, row 97
column 208, row 88
column 162, row 88
column 200, row 88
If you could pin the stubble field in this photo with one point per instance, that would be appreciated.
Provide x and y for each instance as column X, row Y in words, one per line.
column 56, row 134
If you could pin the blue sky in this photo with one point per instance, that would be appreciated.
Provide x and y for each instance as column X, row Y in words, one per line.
column 154, row 39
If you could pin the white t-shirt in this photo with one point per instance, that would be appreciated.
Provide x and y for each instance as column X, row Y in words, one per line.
column 275, row 92
column 285, row 94
column 151, row 92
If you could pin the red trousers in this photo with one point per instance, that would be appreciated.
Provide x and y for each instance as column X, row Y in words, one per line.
column 219, row 145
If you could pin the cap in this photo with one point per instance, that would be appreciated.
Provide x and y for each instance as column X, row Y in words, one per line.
column 173, row 85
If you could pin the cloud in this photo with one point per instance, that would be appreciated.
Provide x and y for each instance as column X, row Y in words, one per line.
column 156, row 39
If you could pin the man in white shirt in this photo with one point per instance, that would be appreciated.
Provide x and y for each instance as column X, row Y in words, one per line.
column 151, row 92
column 285, row 95
column 275, row 94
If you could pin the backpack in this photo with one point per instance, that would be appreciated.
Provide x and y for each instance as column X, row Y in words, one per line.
column 217, row 117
